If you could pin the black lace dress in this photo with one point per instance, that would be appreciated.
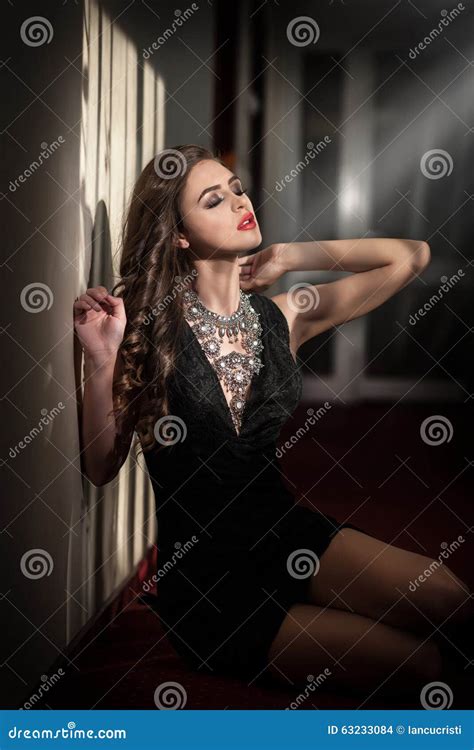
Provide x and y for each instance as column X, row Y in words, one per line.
column 235, row 551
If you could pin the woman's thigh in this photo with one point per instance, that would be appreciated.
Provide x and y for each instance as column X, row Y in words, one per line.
column 338, row 649
column 361, row 574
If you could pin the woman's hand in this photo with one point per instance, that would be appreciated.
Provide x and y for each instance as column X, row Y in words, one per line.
column 99, row 321
column 262, row 269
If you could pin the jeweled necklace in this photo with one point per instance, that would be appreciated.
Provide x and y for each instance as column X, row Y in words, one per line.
column 236, row 369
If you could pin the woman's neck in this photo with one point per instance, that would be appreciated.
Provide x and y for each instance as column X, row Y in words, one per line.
column 218, row 285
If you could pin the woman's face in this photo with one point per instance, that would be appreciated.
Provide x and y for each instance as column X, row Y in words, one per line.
column 212, row 207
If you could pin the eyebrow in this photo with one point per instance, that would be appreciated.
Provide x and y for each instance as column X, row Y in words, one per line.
column 214, row 187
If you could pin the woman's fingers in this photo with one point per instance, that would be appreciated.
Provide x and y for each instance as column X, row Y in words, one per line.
column 98, row 293
column 86, row 302
column 245, row 270
column 92, row 301
column 95, row 298
column 116, row 303
column 81, row 306
column 246, row 260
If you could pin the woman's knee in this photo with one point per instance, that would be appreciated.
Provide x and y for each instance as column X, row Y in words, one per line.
column 446, row 597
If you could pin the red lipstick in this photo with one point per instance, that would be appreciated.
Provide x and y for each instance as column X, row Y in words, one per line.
column 247, row 222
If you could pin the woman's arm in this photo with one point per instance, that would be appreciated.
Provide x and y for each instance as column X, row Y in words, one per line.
column 103, row 449
column 99, row 321
column 381, row 267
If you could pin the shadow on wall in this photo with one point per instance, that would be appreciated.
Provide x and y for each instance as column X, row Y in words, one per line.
column 101, row 269
column 105, row 114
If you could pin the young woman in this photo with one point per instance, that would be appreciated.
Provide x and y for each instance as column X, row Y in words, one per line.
column 203, row 367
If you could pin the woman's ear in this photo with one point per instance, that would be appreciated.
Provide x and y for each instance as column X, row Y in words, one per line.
column 182, row 242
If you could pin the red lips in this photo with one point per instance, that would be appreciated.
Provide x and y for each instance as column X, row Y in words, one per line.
column 248, row 217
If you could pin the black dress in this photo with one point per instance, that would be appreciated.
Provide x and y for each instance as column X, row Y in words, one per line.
column 235, row 551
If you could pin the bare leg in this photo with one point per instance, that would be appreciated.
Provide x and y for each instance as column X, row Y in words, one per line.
column 363, row 575
column 360, row 654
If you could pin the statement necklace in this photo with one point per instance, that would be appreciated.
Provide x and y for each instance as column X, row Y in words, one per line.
column 234, row 368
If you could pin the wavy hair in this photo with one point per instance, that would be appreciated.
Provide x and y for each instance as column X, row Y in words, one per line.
column 154, row 272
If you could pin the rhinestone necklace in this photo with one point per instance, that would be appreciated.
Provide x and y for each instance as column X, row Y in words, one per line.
column 236, row 369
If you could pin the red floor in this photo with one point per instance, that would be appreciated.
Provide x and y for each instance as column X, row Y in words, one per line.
column 388, row 481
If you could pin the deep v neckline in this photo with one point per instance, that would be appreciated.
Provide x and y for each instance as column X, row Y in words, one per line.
column 221, row 397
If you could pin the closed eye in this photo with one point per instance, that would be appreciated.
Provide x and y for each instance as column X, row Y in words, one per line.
column 213, row 203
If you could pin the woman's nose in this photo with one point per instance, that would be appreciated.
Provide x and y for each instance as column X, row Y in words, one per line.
column 239, row 201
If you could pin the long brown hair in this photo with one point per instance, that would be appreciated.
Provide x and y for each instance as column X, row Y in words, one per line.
column 153, row 274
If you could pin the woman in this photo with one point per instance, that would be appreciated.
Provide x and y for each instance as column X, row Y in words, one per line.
column 203, row 368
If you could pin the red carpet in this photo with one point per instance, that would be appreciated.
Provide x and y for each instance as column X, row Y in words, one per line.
column 366, row 463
